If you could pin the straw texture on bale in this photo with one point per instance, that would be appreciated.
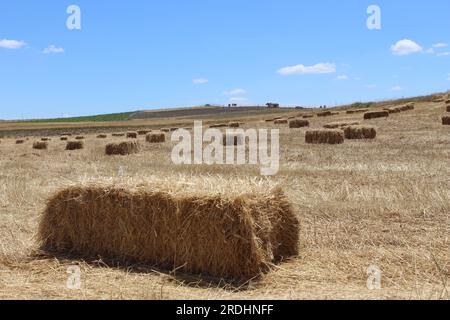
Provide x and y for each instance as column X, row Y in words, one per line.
column 102, row 136
column 156, row 137
column 123, row 148
column 132, row 135
column 74, row 145
column 183, row 225
column 325, row 114
column 336, row 125
column 280, row 121
column 446, row 121
column 298, row 124
column 376, row 114
column 40, row 145
column 324, row 136
column 360, row 132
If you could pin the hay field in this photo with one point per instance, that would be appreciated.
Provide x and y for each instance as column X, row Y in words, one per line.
column 383, row 202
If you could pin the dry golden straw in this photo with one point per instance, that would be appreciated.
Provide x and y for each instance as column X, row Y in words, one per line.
column 360, row 132
column 156, row 137
column 298, row 123
column 123, row 148
column 324, row 136
column 236, row 234
column 74, row 145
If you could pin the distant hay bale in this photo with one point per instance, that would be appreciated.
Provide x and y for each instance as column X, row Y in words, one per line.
column 307, row 116
column 448, row 108
column 45, row 139
column 324, row 136
column 74, row 145
column 392, row 110
column 118, row 134
column 407, row 107
column 293, row 124
column 123, row 148
column 446, row 121
column 234, row 124
column 269, row 120
column 68, row 134
column 360, row 132
column 132, row 135
column 325, row 114
column 174, row 129
column 156, row 137
column 79, row 138
column 20, row 141
column 235, row 231
column 447, row 101
column 143, row 132
column 218, row 125
column 64, row 138
column 230, row 140
column 376, row 114
column 165, row 129
column 280, row 121
column 336, row 125
column 40, row 145
column 356, row 111
column 102, row 136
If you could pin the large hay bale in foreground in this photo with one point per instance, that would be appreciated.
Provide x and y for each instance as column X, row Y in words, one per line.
column 446, row 121
column 448, row 108
column 294, row 124
column 40, row 145
column 123, row 148
column 74, row 145
column 234, row 231
column 132, row 135
column 324, row 136
column 376, row 114
column 156, row 137
column 360, row 132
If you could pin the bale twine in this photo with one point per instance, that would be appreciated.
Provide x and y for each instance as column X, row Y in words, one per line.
column 324, row 136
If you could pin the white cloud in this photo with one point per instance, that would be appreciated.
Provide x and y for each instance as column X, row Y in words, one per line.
column 370, row 86
column 235, row 92
column 443, row 54
column 11, row 44
column 397, row 88
column 53, row 49
column 440, row 45
column 342, row 77
column 430, row 51
column 200, row 81
column 405, row 47
column 319, row 68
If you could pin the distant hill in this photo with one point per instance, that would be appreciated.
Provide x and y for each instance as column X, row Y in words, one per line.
column 97, row 118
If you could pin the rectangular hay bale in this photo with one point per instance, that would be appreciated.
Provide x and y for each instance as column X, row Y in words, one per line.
column 446, row 121
column 324, row 136
column 376, row 114
column 175, row 224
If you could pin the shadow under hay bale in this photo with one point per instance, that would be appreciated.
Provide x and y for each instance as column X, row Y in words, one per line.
column 122, row 149
column 102, row 136
column 156, row 137
column 234, row 124
column 324, row 136
column 298, row 124
column 360, row 132
column 234, row 237
column 376, row 114
column 40, row 145
column 446, row 121
column 132, row 135
column 74, row 145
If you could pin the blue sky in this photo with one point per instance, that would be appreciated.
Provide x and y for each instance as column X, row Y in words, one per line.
column 131, row 55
